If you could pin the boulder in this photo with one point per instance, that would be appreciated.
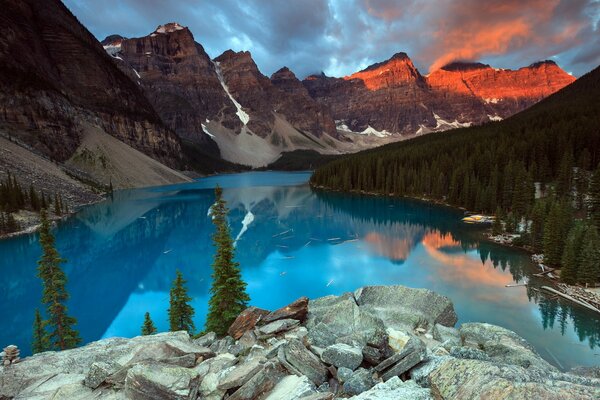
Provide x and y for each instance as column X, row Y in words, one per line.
column 281, row 325
column 223, row 346
column 305, row 362
column 261, row 383
column 296, row 310
column 446, row 335
column 246, row 321
column 420, row 373
column 371, row 355
column 241, row 374
column 405, row 364
column 338, row 319
column 360, row 381
column 474, row 379
column 342, row 355
column 404, row 308
column 159, row 381
column 502, row 345
column 206, row 340
column 395, row 389
column 98, row 373
column 292, row 387
column 343, row 374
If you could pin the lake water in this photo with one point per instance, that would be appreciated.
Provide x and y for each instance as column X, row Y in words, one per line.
column 122, row 255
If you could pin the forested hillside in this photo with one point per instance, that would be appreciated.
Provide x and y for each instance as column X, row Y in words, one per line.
column 496, row 167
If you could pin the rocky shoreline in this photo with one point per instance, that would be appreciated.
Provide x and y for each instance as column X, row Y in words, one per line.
column 380, row 342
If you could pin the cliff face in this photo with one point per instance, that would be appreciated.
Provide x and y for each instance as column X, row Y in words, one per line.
column 55, row 79
column 393, row 97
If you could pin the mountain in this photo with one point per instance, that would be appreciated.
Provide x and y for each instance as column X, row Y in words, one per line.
column 392, row 97
column 227, row 105
column 61, row 95
column 555, row 142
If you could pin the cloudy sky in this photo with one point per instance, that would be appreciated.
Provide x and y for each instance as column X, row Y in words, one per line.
column 342, row 36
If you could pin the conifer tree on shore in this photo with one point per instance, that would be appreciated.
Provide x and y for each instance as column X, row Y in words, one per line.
column 228, row 290
column 180, row 311
column 148, row 327
column 40, row 341
column 61, row 333
column 589, row 269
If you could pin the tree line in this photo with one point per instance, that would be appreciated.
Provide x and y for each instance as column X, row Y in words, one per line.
column 13, row 197
column 552, row 149
column 228, row 291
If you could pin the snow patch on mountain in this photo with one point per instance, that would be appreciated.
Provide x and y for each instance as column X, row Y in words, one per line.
column 168, row 28
column 494, row 117
column 113, row 48
column 242, row 115
column 205, row 129
column 369, row 130
column 492, row 100
column 442, row 124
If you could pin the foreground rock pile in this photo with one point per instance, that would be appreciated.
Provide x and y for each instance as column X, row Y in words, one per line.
column 376, row 343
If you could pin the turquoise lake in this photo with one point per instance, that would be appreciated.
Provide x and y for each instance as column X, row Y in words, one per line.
column 291, row 241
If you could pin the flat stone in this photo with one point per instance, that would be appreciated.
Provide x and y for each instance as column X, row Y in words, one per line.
column 360, row 381
column 222, row 346
column 395, row 389
column 241, row 374
column 292, row 387
column 404, row 365
column 413, row 344
column 158, row 381
column 246, row 321
column 261, row 383
column 404, row 308
column 342, row 355
column 305, row 361
column 296, row 310
column 281, row 325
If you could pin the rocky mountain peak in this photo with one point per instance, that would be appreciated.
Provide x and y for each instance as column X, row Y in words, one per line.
column 169, row 28
column 283, row 74
column 398, row 70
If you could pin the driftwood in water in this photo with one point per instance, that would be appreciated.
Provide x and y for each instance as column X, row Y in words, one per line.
column 573, row 299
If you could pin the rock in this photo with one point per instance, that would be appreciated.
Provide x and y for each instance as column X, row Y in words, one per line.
column 216, row 364
column 241, row 374
column 412, row 345
column 395, row 389
column 502, row 345
column 404, row 365
column 371, row 355
column 246, row 321
column 338, row 319
column 292, row 388
column 360, row 381
column 587, row 372
column 447, row 335
column 222, row 346
column 469, row 353
column 158, row 381
column 342, row 355
column 261, row 383
column 343, row 374
column 404, row 308
column 98, row 372
column 319, row 396
column 206, row 340
column 297, row 333
column 420, row 373
column 397, row 340
column 305, row 362
column 474, row 379
column 296, row 310
column 278, row 326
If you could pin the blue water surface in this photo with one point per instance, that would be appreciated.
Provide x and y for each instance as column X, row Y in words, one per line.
column 291, row 241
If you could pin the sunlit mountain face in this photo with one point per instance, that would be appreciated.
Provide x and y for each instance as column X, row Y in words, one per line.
column 290, row 241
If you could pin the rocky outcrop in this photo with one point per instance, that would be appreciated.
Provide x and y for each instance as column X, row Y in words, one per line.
column 368, row 360
column 56, row 80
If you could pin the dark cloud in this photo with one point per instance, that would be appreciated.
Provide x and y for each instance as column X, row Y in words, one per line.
column 342, row 36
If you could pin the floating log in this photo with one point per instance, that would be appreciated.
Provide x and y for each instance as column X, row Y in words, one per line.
column 516, row 285
column 282, row 233
column 573, row 299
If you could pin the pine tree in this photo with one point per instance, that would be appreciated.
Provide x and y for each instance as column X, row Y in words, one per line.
column 594, row 193
column 589, row 270
column 180, row 311
column 34, row 201
column 229, row 297
column 148, row 327
column 62, row 334
column 57, row 209
column 40, row 341
column 571, row 259
column 555, row 232
column 538, row 215
column 497, row 228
